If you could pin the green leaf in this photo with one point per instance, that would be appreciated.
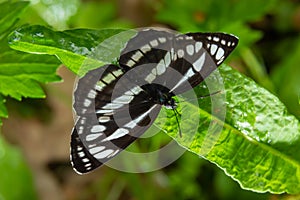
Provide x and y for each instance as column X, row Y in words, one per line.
column 20, row 73
column 258, row 144
column 15, row 178
column 9, row 15
column 77, row 49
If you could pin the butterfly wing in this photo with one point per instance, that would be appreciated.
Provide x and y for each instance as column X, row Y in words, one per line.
column 118, row 107
column 193, row 55
column 112, row 111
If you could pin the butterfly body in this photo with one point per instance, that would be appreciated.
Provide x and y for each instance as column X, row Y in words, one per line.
column 115, row 104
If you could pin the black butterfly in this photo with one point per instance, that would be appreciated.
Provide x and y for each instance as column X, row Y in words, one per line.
column 115, row 104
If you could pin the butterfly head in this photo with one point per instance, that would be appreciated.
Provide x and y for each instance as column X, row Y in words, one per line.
column 167, row 100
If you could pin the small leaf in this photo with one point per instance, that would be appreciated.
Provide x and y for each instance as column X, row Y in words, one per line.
column 258, row 145
column 75, row 48
column 21, row 74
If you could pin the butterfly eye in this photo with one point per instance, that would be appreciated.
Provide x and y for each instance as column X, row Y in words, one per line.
column 161, row 100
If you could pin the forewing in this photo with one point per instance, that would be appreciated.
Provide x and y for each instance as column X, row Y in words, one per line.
column 193, row 55
column 112, row 111
column 148, row 46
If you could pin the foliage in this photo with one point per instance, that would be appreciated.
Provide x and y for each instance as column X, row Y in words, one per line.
column 21, row 73
column 15, row 174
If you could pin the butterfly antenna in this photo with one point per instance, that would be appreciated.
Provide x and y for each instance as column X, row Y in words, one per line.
column 177, row 114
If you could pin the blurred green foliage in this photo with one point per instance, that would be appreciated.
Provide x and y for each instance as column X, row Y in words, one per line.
column 15, row 178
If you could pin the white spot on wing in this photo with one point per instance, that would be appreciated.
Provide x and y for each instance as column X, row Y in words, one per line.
column 96, row 149
column 190, row 73
column 103, row 154
column 87, row 102
column 161, row 68
column 104, row 111
column 92, row 145
column 154, row 43
column 150, row 78
column 92, row 94
column 154, row 71
column 145, row 48
column 220, row 53
column 198, row 46
column 117, row 73
column 190, row 49
column 220, row 61
column 81, row 154
column 99, row 86
column 130, row 63
column 129, row 93
column 91, row 137
column 87, row 164
column 213, row 49
column 217, row 39
column 80, row 131
column 79, row 148
column 124, row 99
column 180, row 53
column 97, row 128
column 162, row 39
column 83, row 119
column 130, row 124
column 112, row 106
column 167, row 59
column 113, row 154
column 199, row 63
column 137, row 56
column 136, row 90
column 117, row 134
column 141, row 117
column 108, row 78
column 134, row 122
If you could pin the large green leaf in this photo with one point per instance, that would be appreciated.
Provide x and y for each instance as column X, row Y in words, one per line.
column 246, row 130
column 258, row 145
column 15, row 178
column 75, row 48
column 21, row 73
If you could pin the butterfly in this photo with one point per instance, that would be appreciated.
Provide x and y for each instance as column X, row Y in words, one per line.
column 116, row 103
